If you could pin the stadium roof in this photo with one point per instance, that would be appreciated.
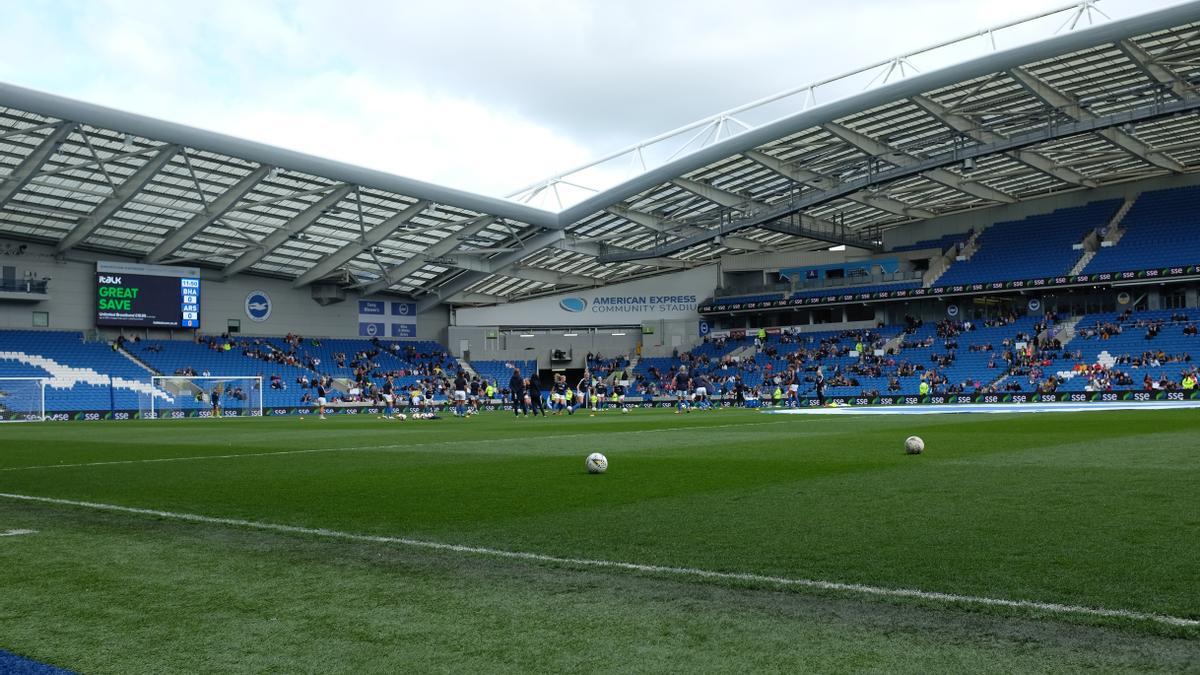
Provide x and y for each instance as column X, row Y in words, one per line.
column 1095, row 106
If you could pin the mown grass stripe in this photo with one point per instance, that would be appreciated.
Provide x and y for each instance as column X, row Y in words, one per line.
column 743, row 577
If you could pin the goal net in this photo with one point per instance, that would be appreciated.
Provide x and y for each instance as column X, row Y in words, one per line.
column 178, row 396
column 22, row 399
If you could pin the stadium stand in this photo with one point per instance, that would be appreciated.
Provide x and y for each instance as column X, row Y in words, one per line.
column 943, row 243
column 83, row 375
column 1160, row 231
column 1149, row 350
column 100, row 376
column 847, row 290
column 500, row 372
column 739, row 299
column 1038, row 246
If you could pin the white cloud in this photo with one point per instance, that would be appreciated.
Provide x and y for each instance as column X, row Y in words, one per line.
column 485, row 96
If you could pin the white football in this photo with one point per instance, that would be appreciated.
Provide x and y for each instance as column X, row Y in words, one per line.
column 596, row 463
column 913, row 445
column 624, row 411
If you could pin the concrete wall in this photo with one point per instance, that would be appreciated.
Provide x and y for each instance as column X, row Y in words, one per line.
column 509, row 345
column 72, row 291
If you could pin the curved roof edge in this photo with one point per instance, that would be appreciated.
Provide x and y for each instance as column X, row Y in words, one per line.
column 155, row 129
column 989, row 63
column 170, row 132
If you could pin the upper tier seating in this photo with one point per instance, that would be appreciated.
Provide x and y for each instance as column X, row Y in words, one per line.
column 1036, row 247
column 1162, row 229
column 943, row 243
column 854, row 290
column 738, row 299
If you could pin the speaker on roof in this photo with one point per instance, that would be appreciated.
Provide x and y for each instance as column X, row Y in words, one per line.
column 327, row 294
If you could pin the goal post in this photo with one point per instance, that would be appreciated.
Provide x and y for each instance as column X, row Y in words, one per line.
column 23, row 399
column 182, row 396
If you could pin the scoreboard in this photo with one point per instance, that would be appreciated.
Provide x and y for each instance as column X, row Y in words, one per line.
column 147, row 296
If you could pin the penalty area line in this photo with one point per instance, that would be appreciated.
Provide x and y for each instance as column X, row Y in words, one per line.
column 696, row 573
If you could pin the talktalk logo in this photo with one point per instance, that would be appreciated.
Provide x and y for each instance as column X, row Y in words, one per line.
column 575, row 305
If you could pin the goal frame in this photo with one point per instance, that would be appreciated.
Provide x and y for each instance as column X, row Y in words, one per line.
column 41, row 415
column 154, row 381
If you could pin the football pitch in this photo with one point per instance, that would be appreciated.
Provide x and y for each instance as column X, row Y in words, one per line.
column 717, row 541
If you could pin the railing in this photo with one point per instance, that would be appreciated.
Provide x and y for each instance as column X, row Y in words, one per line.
column 864, row 280
column 24, row 286
column 760, row 289
column 574, row 185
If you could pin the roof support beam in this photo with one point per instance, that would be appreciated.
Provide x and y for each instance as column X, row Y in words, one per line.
column 33, row 162
column 544, row 240
column 665, row 226
column 973, row 130
column 119, row 198
column 368, row 240
column 800, row 225
column 476, row 299
column 596, row 250
column 1071, row 107
column 1158, row 72
column 821, row 181
column 891, row 155
column 735, row 201
column 539, row 274
column 397, row 273
column 196, row 224
column 729, row 200
column 816, row 198
column 290, row 229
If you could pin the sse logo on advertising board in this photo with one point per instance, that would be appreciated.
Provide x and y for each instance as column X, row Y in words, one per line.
column 258, row 306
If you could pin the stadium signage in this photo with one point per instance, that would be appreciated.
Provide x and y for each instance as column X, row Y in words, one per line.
column 1016, row 399
column 959, row 289
column 634, row 304
column 667, row 297
column 258, row 306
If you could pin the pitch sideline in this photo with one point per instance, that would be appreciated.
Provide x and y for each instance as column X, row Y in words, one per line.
column 860, row 589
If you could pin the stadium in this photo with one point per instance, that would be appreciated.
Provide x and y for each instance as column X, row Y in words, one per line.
column 267, row 411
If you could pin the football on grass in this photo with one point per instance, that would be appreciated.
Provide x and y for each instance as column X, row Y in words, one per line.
column 597, row 463
column 913, row 445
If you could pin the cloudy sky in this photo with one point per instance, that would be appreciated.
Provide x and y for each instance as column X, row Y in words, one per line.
column 481, row 95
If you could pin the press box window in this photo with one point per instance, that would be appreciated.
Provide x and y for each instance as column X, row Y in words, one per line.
column 41, row 319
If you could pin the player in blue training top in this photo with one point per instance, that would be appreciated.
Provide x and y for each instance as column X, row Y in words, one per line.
column 702, row 391
column 683, row 386
column 321, row 398
column 460, row 394
column 792, row 380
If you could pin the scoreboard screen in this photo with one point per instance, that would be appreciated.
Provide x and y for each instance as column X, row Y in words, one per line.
column 147, row 296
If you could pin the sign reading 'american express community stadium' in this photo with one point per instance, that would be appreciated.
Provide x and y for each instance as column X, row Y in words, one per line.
column 632, row 304
column 668, row 297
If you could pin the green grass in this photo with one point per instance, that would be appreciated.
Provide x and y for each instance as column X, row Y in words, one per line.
column 1093, row 509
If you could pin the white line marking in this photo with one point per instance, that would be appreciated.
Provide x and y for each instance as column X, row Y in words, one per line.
column 16, row 533
column 988, row 408
column 862, row 589
column 392, row 446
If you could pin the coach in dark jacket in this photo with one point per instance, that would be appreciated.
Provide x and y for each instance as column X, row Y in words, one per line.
column 516, row 385
column 536, row 404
